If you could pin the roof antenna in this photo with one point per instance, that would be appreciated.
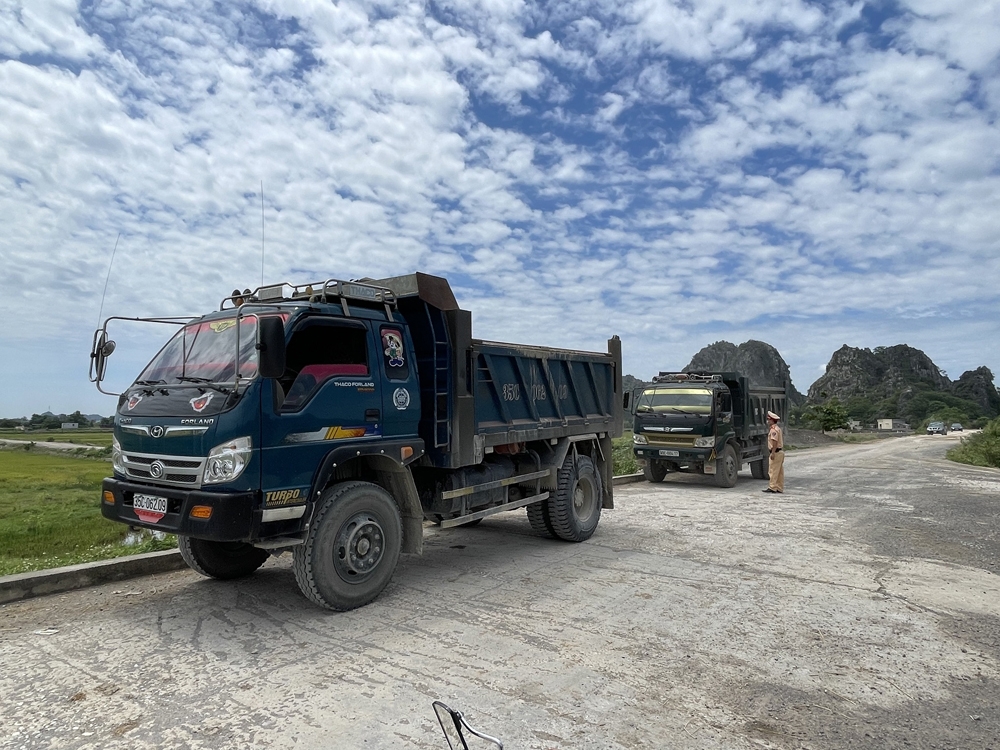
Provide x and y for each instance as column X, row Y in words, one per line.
column 101, row 312
column 262, row 233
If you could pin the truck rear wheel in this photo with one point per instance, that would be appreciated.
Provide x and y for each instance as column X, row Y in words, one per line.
column 575, row 510
column 759, row 469
column 727, row 466
column 222, row 560
column 352, row 547
column 654, row 471
column 538, row 517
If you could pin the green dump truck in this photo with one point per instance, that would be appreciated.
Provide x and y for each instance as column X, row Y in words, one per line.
column 703, row 423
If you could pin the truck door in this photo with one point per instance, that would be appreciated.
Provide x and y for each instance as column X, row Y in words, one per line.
column 330, row 394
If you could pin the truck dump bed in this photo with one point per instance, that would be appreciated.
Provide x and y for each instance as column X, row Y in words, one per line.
column 530, row 393
column 479, row 394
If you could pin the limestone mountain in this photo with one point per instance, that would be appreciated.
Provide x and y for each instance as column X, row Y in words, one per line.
column 903, row 382
column 977, row 386
column 759, row 361
column 876, row 374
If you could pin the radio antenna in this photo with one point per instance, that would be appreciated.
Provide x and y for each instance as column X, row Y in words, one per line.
column 262, row 233
column 101, row 312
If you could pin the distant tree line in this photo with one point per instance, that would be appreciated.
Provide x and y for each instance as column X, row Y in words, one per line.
column 917, row 405
column 54, row 421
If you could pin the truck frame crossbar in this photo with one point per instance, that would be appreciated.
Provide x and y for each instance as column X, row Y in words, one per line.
column 317, row 291
column 514, row 505
column 463, row 491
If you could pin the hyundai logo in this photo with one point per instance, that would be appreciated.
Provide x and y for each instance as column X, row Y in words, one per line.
column 156, row 431
column 156, row 469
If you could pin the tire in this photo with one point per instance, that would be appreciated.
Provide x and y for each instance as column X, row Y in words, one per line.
column 727, row 466
column 352, row 547
column 575, row 510
column 654, row 471
column 538, row 517
column 222, row 560
column 759, row 469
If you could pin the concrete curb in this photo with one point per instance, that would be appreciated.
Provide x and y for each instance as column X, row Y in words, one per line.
column 57, row 580
column 628, row 479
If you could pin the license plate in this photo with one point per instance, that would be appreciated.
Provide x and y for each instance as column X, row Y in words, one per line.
column 669, row 453
column 149, row 508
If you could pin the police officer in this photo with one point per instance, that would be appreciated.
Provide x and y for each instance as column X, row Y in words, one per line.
column 776, row 454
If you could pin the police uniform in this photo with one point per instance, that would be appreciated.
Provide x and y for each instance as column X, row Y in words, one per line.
column 776, row 455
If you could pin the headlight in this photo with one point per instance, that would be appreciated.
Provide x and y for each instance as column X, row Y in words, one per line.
column 117, row 462
column 704, row 442
column 639, row 439
column 227, row 461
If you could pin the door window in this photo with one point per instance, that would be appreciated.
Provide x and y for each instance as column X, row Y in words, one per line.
column 318, row 351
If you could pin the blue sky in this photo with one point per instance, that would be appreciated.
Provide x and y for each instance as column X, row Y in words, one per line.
column 807, row 174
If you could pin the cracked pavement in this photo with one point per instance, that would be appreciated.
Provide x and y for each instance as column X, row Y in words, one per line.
column 861, row 609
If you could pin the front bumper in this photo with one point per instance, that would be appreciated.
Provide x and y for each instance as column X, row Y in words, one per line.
column 676, row 455
column 236, row 516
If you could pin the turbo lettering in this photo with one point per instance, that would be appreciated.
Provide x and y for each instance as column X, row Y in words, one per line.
column 282, row 497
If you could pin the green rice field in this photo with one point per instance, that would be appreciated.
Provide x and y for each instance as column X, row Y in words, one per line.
column 50, row 513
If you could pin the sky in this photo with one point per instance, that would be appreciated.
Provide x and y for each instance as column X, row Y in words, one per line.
column 677, row 172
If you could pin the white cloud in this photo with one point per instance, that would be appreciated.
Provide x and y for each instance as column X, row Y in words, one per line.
column 740, row 170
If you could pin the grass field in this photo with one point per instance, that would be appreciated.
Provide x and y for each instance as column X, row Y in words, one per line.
column 77, row 437
column 981, row 448
column 50, row 513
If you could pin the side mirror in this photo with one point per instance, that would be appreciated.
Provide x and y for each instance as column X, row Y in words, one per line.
column 454, row 726
column 103, row 349
column 626, row 399
column 271, row 345
column 636, row 392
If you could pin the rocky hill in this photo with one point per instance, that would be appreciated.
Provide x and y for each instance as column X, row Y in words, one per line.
column 903, row 382
column 759, row 361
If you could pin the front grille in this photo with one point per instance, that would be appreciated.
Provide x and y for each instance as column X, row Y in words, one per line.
column 184, row 471
column 676, row 441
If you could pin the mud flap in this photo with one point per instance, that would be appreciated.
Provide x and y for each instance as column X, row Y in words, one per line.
column 710, row 467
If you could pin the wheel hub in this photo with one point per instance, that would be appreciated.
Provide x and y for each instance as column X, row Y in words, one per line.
column 359, row 548
column 584, row 500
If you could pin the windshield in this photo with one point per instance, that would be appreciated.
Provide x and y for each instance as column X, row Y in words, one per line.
column 675, row 400
column 205, row 352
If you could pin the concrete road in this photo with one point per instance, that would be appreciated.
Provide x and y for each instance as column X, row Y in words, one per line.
column 861, row 609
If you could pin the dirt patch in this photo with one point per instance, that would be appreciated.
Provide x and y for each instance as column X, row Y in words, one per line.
column 807, row 438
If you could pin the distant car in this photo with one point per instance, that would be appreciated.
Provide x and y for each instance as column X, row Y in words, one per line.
column 937, row 428
column 956, row 427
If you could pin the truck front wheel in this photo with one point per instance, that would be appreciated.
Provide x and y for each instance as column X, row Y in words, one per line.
column 352, row 547
column 222, row 560
column 575, row 510
column 727, row 466
column 654, row 471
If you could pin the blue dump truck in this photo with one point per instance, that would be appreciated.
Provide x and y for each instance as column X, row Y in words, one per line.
column 704, row 423
column 334, row 419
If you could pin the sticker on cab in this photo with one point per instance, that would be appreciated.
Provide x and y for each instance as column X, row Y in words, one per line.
column 401, row 398
column 200, row 403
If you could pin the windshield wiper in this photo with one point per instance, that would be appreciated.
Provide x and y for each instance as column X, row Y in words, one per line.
column 204, row 381
column 151, row 382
